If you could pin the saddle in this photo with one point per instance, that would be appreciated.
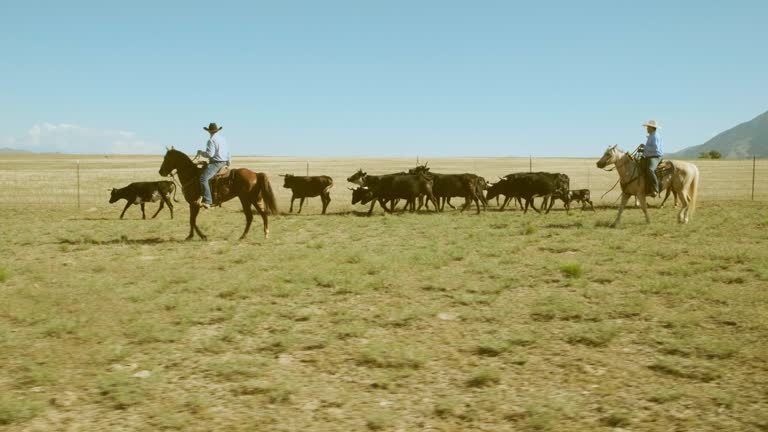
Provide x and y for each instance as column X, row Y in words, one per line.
column 663, row 169
column 221, row 185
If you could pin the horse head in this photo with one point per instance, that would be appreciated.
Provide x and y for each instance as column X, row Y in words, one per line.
column 610, row 157
column 173, row 160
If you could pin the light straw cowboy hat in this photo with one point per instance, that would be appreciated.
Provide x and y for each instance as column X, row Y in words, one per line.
column 213, row 128
column 652, row 123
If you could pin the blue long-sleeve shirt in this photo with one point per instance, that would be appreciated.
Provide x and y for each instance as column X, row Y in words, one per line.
column 217, row 150
column 653, row 145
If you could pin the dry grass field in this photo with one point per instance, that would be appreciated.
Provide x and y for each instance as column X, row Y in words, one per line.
column 501, row 321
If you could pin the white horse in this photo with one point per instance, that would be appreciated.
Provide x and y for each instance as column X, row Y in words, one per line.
column 683, row 180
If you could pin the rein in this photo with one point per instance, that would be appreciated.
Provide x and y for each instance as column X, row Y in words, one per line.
column 631, row 156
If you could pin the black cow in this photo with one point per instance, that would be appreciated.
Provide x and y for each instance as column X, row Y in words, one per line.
column 447, row 186
column 307, row 187
column 527, row 186
column 393, row 187
column 357, row 178
column 144, row 192
column 562, row 184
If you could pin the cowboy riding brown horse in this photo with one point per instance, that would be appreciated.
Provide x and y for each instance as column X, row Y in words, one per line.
column 252, row 188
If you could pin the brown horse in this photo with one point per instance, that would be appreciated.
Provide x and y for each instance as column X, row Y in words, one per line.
column 252, row 188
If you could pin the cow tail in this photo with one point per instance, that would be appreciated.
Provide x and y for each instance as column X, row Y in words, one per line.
column 693, row 190
column 265, row 190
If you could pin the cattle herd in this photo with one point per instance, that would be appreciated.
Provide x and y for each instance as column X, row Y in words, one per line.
column 417, row 187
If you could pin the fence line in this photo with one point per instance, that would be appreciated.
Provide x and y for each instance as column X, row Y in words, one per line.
column 85, row 182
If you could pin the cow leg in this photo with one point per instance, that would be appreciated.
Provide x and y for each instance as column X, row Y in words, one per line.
column 301, row 204
column 448, row 200
column 370, row 210
column 669, row 191
column 162, row 204
column 293, row 197
column 591, row 206
column 551, row 200
column 248, row 215
column 326, row 198
column 434, row 201
column 506, row 200
column 624, row 199
column 533, row 206
column 124, row 209
column 143, row 215
column 168, row 202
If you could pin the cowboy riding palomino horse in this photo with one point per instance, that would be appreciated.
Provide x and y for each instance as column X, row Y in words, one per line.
column 252, row 188
column 682, row 177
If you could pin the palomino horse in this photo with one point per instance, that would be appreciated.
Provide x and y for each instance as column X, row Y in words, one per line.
column 252, row 189
column 683, row 181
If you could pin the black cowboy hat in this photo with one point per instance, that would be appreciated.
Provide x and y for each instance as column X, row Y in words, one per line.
column 213, row 128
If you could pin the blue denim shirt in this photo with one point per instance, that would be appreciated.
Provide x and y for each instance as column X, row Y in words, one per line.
column 653, row 145
column 216, row 150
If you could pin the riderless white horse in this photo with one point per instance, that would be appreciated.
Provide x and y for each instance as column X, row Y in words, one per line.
column 682, row 177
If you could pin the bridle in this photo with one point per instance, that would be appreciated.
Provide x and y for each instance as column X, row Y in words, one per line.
column 631, row 156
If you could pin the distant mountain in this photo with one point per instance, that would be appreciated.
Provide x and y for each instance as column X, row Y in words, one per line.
column 743, row 141
column 6, row 150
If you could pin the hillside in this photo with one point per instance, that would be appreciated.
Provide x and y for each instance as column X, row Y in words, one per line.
column 742, row 141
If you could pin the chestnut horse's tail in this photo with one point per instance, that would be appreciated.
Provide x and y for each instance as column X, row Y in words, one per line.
column 265, row 190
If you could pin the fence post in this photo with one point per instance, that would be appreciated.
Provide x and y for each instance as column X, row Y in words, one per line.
column 530, row 163
column 417, row 160
column 307, row 167
column 754, row 161
column 78, row 184
column 588, row 186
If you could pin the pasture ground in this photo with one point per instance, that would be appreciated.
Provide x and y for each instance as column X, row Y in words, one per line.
column 446, row 322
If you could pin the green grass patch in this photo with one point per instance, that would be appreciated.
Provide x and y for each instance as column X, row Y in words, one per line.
column 571, row 270
column 391, row 356
column 484, row 377
column 594, row 335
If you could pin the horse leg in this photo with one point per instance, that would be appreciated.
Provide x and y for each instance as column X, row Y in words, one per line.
column 124, row 209
column 143, row 215
column 644, row 206
column 193, row 211
column 682, row 217
column 259, row 204
column 248, row 214
column 622, row 204
column 162, row 204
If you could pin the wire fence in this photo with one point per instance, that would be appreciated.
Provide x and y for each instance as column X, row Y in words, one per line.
column 86, row 181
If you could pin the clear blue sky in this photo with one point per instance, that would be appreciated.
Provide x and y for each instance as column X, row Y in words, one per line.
column 378, row 78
